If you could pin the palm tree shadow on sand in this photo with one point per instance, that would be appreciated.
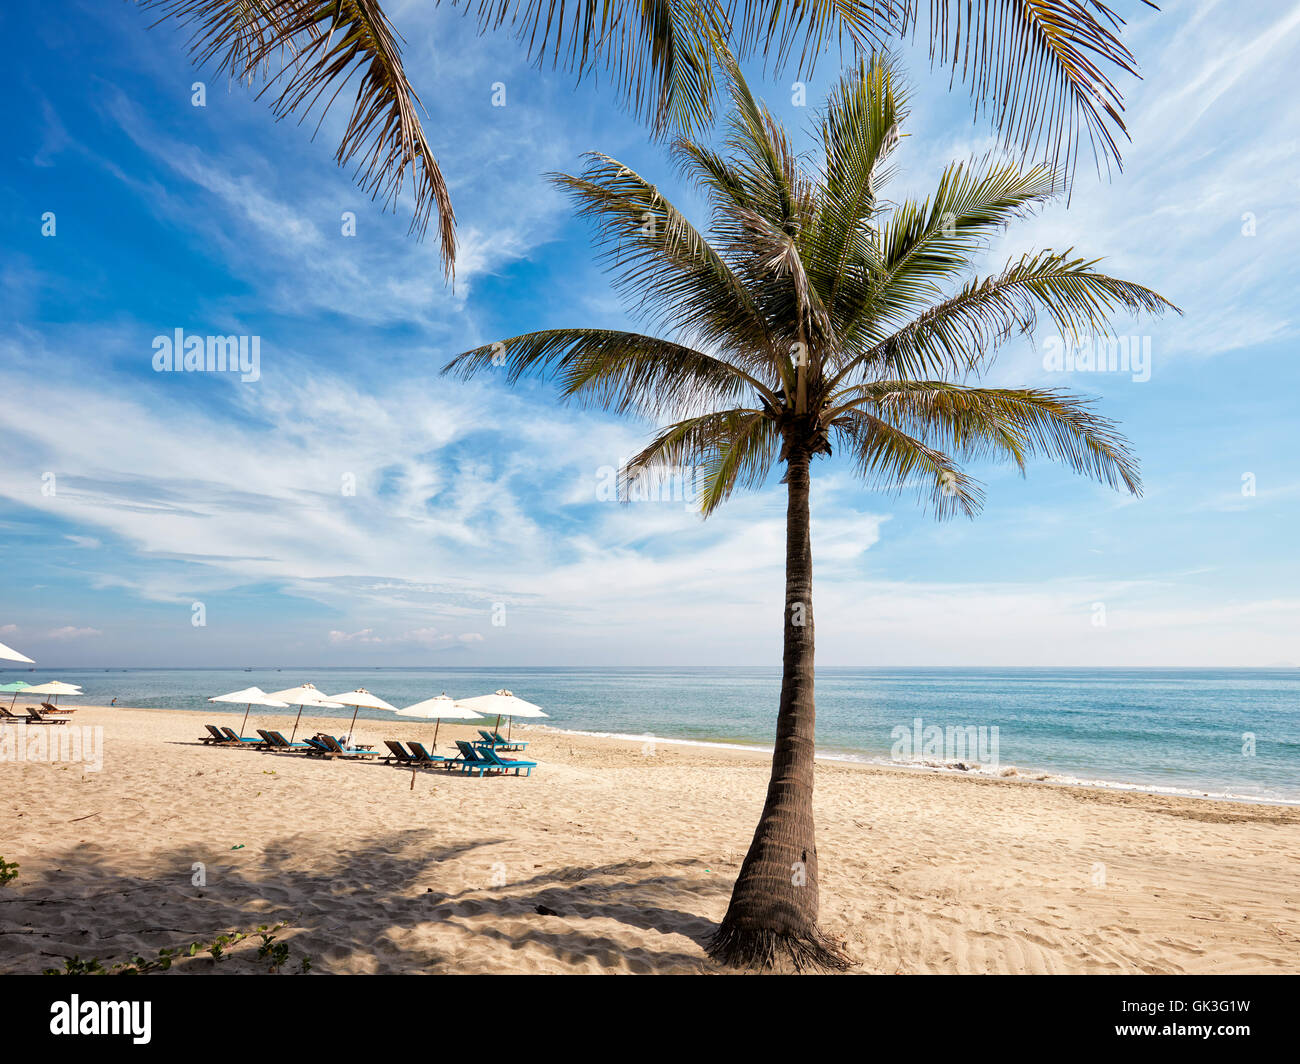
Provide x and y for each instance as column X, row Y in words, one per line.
column 396, row 905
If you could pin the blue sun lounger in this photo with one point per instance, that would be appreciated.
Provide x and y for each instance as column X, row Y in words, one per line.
column 507, row 763
column 494, row 740
column 421, row 756
column 214, row 735
column 471, row 761
column 232, row 737
column 334, row 749
column 275, row 741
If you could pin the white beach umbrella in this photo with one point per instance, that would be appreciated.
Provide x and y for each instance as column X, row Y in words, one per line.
column 250, row 696
column 359, row 698
column 53, row 688
column 304, row 695
column 504, row 704
column 10, row 654
column 440, row 707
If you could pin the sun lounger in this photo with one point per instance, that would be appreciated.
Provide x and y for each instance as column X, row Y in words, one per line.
column 50, row 708
column 34, row 717
column 334, row 748
column 240, row 739
column 486, row 760
column 507, row 763
column 421, row 756
column 469, row 760
column 494, row 740
column 6, row 715
column 214, row 735
column 397, row 752
column 276, row 741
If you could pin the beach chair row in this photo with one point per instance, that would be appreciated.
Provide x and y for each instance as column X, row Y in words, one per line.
column 47, row 714
column 476, row 759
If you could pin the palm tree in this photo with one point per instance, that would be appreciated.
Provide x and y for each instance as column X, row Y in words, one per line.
column 814, row 317
column 1042, row 69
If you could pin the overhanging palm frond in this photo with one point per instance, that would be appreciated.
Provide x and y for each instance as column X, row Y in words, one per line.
column 619, row 371
column 658, row 53
column 959, row 334
column 309, row 50
column 1042, row 69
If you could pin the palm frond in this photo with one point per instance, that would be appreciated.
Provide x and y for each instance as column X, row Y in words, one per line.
column 308, row 51
column 1007, row 423
column 890, row 460
column 669, row 271
column 859, row 131
column 920, row 246
column 1043, row 70
column 960, row 334
column 619, row 371
column 658, row 53
column 725, row 449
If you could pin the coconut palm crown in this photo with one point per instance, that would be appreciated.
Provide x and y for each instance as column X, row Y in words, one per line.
column 816, row 317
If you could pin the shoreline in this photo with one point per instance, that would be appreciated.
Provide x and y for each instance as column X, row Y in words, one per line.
column 1004, row 773
column 1016, row 774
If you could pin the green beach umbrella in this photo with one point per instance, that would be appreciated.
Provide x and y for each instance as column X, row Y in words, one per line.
column 16, row 686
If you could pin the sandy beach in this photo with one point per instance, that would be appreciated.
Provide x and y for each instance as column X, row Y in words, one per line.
column 614, row 858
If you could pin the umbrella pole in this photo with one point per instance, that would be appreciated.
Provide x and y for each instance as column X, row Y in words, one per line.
column 435, row 732
column 295, row 724
column 241, row 726
column 353, row 724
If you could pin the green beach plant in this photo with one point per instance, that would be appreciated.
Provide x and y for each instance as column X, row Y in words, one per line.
column 1042, row 70
column 814, row 317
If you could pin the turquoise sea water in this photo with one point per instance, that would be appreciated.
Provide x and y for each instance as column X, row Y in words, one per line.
column 1182, row 729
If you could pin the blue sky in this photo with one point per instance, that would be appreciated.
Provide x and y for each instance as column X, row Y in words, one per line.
column 475, row 502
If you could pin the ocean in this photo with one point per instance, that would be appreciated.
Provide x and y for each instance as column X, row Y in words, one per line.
column 1231, row 733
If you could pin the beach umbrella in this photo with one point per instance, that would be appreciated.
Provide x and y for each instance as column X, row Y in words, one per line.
column 15, row 687
column 305, row 695
column 54, row 688
column 11, row 654
column 438, row 708
column 250, row 696
column 360, row 697
column 503, row 704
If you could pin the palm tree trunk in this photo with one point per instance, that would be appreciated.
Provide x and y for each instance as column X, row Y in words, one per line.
column 772, row 917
